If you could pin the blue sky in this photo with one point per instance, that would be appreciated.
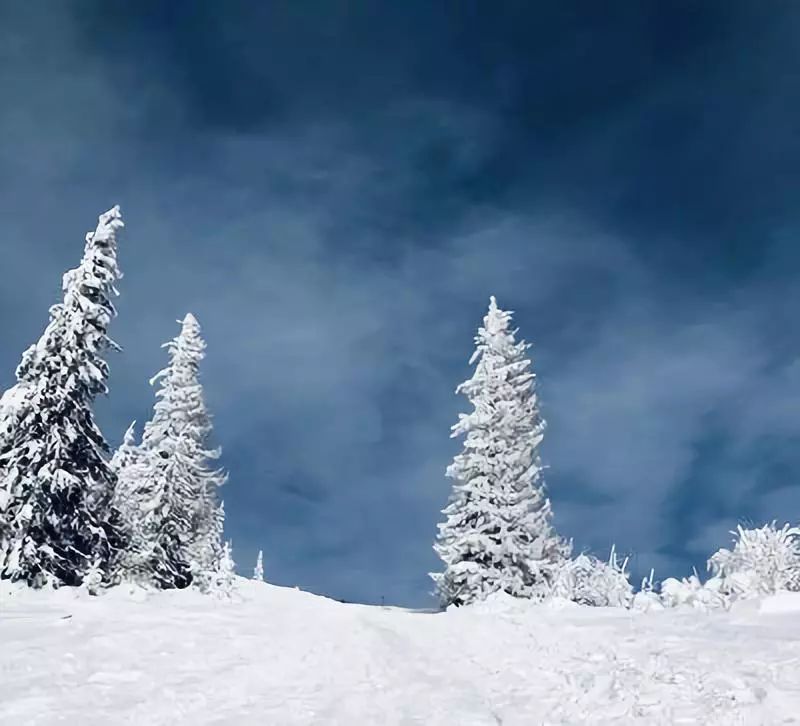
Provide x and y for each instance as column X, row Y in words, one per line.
column 335, row 189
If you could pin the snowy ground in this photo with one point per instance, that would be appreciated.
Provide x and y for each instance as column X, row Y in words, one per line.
column 280, row 656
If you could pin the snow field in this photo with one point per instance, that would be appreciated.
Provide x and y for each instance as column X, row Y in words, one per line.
column 282, row 656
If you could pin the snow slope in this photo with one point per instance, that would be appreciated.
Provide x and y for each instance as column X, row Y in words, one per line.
column 281, row 656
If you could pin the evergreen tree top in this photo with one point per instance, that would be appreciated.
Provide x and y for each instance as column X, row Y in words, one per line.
column 189, row 338
column 80, row 321
column 189, row 322
column 181, row 405
column 186, row 349
column 503, row 368
column 496, row 336
column 130, row 435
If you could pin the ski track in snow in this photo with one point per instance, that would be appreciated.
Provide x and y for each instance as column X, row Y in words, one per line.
column 281, row 656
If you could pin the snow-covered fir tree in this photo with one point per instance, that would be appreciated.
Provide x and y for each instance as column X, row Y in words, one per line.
column 497, row 534
column 56, row 523
column 258, row 571
column 168, row 479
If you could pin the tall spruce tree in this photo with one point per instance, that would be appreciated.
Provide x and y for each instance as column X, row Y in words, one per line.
column 170, row 486
column 497, row 535
column 56, row 523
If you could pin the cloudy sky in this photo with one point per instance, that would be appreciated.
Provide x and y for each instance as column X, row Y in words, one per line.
column 335, row 189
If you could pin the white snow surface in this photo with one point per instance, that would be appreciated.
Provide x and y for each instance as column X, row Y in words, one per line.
column 282, row 656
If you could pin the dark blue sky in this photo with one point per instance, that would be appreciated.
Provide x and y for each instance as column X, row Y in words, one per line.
column 335, row 189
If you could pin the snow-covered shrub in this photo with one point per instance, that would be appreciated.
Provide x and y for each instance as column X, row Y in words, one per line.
column 93, row 578
column 690, row 591
column 676, row 592
column 647, row 598
column 589, row 581
column 762, row 562
column 646, row 601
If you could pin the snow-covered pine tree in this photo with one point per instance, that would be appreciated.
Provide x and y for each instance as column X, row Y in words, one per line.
column 56, row 523
column 258, row 572
column 173, row 486
column 497, row 534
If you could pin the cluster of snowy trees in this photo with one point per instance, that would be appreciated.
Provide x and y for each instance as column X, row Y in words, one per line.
column 498, row 536
column 71, row 513
column 74, row 513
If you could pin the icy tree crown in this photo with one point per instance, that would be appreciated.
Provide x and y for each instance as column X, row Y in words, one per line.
column 180, row 401
column 79, row 323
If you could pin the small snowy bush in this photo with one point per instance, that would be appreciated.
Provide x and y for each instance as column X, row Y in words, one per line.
column 762, row 562
column 93, row 578
column 690, row 591
column 647, row 599
column 589, row 581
